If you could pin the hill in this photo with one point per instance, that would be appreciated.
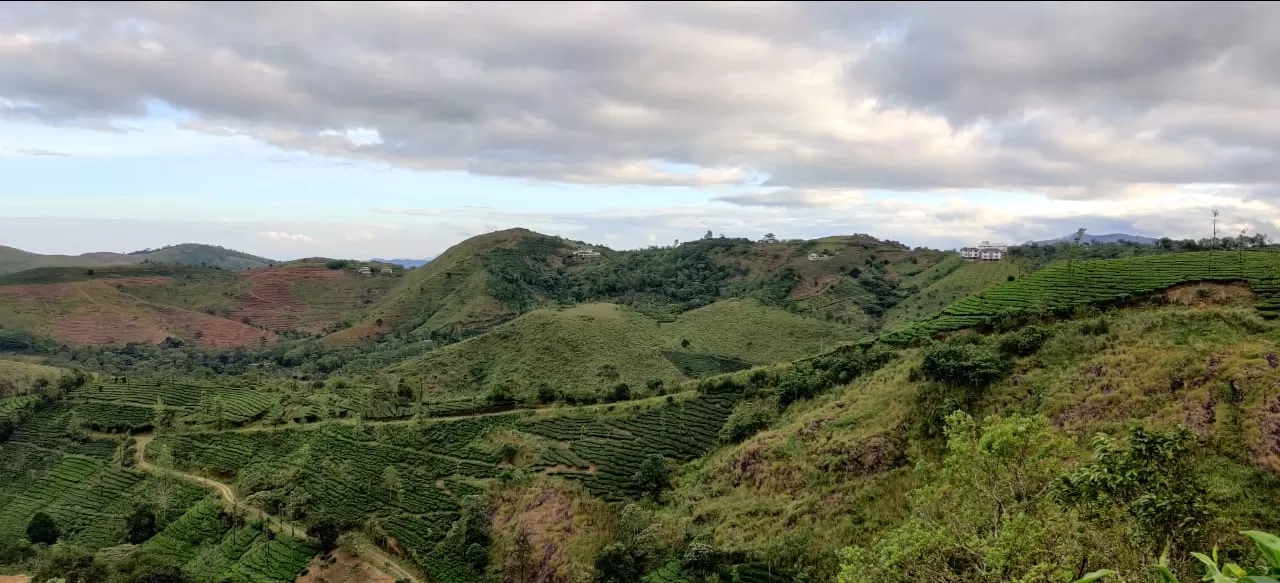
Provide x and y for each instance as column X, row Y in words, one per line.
column 590, row 348
column 962, row 279
column 1065, row 286
column 491, row 278
column 205, row 255
column 1088, row 239
column 202, row 305
column 15, row 260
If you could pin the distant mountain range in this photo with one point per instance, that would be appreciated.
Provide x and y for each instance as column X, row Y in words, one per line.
column 14, row 260
column 1112, row 238
column 406, row 263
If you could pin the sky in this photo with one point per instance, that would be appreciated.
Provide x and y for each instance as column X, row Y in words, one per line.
column 398, row 129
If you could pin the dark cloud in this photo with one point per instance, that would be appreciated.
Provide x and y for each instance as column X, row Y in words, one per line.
column 1064, row 97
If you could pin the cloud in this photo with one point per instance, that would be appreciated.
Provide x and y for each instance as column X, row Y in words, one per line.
column 32, row 152
column 283, row 236
column 1074, row 100
column 793, row 198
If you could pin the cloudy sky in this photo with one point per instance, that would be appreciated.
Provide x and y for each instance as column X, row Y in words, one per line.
column 390, row 129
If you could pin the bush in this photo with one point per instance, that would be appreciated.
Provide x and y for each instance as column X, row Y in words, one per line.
column 1095, row 327
column 746, row 420
column 142, row 525
column 546, row 394
column 336, row 264
column 653, row 476
column 42, row 530
column 1025, row 341
column 619, row 392
column 962, row 364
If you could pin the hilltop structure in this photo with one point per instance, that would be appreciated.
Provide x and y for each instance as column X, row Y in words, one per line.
column 984, row 252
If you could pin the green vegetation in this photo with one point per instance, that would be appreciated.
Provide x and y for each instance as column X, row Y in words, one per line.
column 963, row 280
column 592, row 347
column 1061, row 288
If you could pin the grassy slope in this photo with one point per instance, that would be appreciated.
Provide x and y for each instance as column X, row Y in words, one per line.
column 15, row 260
column 211, row 255
column 566, row 347
column 966, row 279
column 23, row 374
column 449, row 292
column 833, row 472
column 1064, row 286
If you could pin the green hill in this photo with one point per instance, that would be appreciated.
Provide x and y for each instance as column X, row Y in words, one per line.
column 591, row 347
column 13, row 260
column 206, row 255
column 959, row 282
column 1064, row 286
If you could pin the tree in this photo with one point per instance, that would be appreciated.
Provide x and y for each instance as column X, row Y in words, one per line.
column 1213, row 242
column 1075, row 245
column 147, row 567
column 709, row 235
column 42, row 530
column 653, row 476
column 141, row 525
column 546, row 394
column 391, row 482
column 523, row 556
column 770, row 238
column 327, row 533
column 70, row 563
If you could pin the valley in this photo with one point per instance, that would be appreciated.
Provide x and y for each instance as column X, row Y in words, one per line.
column 721, row 410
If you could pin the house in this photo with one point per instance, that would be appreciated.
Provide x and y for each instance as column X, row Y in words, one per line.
column 984, row 252
column 387, row 271
column 365, row 271
column 585, row 254
column 816, row 257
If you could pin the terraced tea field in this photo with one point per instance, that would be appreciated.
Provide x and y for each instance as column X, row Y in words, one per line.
column 340, row 471
column 1063, row 286
column 201, row 541
column 132, row 403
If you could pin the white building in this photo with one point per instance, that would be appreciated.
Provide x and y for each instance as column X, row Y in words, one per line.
column 984, row 252
column 387, row 271
column 586, row 254
column 365, row 271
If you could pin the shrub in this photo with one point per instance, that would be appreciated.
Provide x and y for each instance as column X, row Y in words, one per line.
column 1095, row 327
column 746, row 420
column 1025, row 341
column 619, row 392
column 42, row 530
column 546, row 394
column 653, row 476
column 960, row 364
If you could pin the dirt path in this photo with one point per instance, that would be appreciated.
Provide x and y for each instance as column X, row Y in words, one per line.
column 366, row 549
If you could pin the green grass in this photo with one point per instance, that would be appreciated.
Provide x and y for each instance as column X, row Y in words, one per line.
column 962, row 281
column 201, row 542
column 24, row 374
column 1064, row 286
column 568, row 348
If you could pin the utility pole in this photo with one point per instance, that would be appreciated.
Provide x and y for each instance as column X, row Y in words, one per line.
column 1214, row 241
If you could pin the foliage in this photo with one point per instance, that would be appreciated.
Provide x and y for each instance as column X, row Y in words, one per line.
column 1024, row 342
column 653, row 476
column 141, row 525
column 963, row 364
column 1152, row 475
column 42, row 530
column 70, row 563
column 985, row 516
column 626, row 557
column 747, row 419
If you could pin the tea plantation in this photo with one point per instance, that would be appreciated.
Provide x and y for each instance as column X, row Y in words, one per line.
column 1065, row 285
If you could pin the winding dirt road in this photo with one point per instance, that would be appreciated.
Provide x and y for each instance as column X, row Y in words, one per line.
column 365, row 548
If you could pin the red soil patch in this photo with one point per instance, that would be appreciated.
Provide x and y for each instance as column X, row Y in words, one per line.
column 345, row 568
column 14, row 579
column 211, row 330
column 352, row 335
column 807, row 288
column 272, row 305
column 99, row 328
column 1199, row 295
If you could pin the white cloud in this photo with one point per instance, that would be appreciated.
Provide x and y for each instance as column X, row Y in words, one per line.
column 284, row 236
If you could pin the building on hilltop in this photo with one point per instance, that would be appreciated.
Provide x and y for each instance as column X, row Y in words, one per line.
column 984, row 252
column 817, row 257
column 585, row 254
column 364, row 271
column 387, row 271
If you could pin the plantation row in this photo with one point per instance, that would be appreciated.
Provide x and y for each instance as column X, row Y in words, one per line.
column 694, row 365
column 1064, row 286
column 679, row 431
column 205, row 541
column 49, row 431
column 15, row 404
column 87, row 499
column 137, row 400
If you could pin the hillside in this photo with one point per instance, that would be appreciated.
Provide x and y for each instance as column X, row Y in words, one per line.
column 202, row 305
column 964, row 278
column 13, row 260
column 590, row 348
column 16, row 260
column 1065, row 286
column 491, row 278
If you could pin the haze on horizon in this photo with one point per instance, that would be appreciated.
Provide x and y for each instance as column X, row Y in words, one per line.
column 395, row 130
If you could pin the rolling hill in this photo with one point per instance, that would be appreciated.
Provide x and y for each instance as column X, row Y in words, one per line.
column 203, row 305
column 589, row 348
column 14, row 260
